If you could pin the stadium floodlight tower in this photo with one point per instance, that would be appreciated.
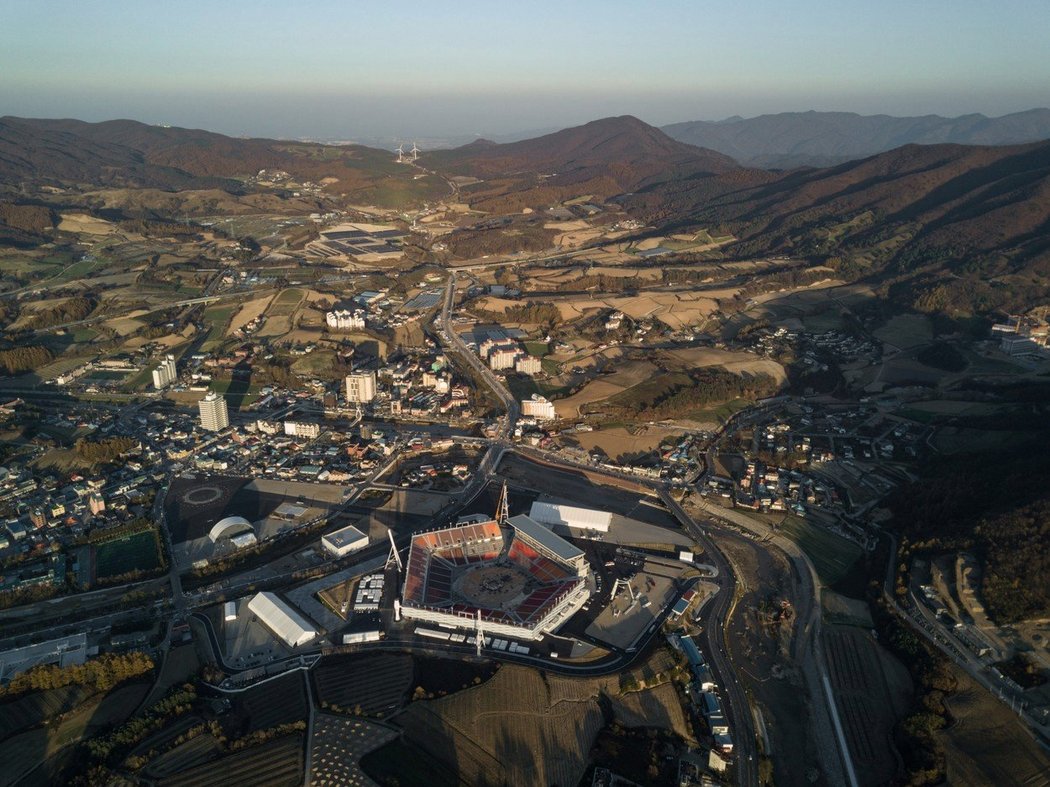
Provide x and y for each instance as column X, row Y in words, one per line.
column 479, row 635
column 415, row 151
column 503, row 507
column 400, row 154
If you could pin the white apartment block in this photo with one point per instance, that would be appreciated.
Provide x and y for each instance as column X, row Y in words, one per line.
column 214, row 414
column 361, row 387
column 539, row 407
column 503, row 358
column 528, row 364
column 345, row 320
column 165, row 374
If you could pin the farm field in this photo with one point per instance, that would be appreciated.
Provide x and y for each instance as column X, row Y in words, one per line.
column 833, row 556
column 32, row 709
column 905, row 331
column 248, row 312
column 869, row 703
column 218, row 318
column 277, row 763
column 736, row 362
column 280, row 701
column 286, row 302
column 137, row 552
column 619, row 440
column 186, row 755
column 369, row 685
column 27, row 751
column 483, row 733
column 986, row 744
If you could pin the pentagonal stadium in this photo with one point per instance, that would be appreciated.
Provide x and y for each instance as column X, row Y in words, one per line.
column 523, row 580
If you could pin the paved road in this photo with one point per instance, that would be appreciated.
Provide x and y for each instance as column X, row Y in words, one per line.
column 716, row 615
column 456, row 344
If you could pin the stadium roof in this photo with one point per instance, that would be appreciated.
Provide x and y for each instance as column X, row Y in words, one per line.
column 545, row 537
column 581, row 518
column 281, row 619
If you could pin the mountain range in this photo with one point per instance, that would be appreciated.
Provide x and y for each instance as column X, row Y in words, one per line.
column 965, row 227
column 797, row 139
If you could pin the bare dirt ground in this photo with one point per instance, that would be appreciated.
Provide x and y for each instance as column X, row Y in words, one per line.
column 736, row 362
column 248, row 312
column 80, row 222
column 762, row 653
column 987, row 744
column 618, row 441
column 594, row 391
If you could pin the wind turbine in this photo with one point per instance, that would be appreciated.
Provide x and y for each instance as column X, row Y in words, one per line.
column 400, row 154
column 415, row 151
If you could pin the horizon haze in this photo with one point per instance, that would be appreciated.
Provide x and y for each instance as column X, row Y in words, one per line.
column 342, row 73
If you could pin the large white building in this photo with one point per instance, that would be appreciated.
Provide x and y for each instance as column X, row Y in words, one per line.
column 300, row 429
column 361, row 387
column 539, row 407
column 214, row 414
column 344, row 541
column 284, row 622
column 165, row 374
column 585, row 519
column 345, row 320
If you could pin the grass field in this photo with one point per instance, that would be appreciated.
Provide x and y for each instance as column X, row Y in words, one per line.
column 285, row 303
column 217, row 317
column 832, row 555
column 136, row 552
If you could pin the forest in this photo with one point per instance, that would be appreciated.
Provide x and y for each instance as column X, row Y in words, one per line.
column 995, row 505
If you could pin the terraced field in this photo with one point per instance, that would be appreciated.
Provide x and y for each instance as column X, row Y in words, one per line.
column 277, row 763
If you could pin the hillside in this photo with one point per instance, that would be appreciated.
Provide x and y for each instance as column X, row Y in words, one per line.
column 128, row 154
column 604, row 157
column 968, row 227
column 796, row 139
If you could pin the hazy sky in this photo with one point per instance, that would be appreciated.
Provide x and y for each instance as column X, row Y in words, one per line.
column 351, row 69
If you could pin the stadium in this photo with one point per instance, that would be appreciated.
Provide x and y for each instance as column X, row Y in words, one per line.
column 520, row 578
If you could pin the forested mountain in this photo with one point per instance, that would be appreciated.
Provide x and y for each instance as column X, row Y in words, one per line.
column 129, row 154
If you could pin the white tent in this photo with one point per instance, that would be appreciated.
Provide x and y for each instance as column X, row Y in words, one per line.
column 287, row 624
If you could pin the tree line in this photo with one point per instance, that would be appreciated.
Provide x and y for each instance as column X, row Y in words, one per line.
column 25, row 359
column 100, row 452
column 100, row 674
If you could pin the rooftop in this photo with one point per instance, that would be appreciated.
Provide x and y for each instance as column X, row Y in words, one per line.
column 545, row 537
